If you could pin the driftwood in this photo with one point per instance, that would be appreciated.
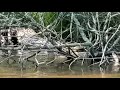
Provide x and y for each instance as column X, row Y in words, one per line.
column 99, row 54
column 18, row 47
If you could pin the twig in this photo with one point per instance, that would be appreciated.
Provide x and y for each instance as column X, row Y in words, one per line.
column 37, row 60
column 72, row 63
column 115, row 42
column 6, row 58
column 72, row 16
column 93, row 64
column 73, row 52
column 50, row 62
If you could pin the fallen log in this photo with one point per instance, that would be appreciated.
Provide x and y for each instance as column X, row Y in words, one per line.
column 99, row 54
column 18, row 47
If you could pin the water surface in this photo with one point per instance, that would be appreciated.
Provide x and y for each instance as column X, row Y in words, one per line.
column 13, row 70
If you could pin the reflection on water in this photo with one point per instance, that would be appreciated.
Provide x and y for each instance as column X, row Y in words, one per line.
column 11, row 73
column 13, row 70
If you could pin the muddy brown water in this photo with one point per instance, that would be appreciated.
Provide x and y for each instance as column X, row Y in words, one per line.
column 7, row 72
column 13, row 70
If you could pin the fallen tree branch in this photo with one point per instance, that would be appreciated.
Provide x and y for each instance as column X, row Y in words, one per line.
column 34, row 48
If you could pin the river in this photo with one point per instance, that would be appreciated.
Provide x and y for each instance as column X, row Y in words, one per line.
column 14, row 71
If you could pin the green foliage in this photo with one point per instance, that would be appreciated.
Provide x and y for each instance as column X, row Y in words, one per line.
column 49, row 17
